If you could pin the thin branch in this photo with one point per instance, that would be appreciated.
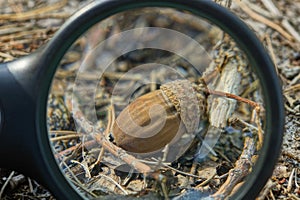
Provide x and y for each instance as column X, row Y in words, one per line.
column 240, row 171
column 232, row 96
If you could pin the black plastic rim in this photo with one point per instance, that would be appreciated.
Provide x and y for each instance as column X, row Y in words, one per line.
column 1, row 117
column 248, row 42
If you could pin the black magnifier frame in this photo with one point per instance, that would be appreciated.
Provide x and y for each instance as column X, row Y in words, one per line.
column 25, row 83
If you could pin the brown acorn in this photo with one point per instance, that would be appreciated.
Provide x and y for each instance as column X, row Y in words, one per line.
column 160, row 117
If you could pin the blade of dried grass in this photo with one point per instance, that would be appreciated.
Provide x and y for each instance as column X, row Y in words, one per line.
column 264, row 20
column 6, row 183
column 33, row 13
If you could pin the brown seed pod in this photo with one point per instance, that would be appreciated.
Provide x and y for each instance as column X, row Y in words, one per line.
column 160, row 117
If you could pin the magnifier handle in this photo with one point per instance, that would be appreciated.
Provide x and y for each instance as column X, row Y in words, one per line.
column 17, row 80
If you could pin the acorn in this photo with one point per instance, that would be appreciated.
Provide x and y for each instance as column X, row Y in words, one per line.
column 160, row 117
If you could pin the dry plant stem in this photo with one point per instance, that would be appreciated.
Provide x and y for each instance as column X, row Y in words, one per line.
column 7, row 56
column 232, row 96
column 295, row 80
column 122, row 154
column 111, row 118
column 65, row 137
column 76, row 181
column 178, row 18
column 264, row 20
column 206, row 181
column 272, row 195
column 114, row 182
column 22, row 34
column 293, row 196
column 93, row 76
column 286, row 24
column 271, row 7
column 259, row 128
column 73, row 148
column 17, row 52
column 85, row 168
column 290, row 182
column 270, row 184
column 64, row 132
column 30, row 186
column 33, row 13
column 259, row 9
column 237, row 174
column 251, row 88
column 220, row 153
column 210, row 76
column 292, row 87
column 178, row 171
column 12, row 28
column 165, row 190
column 100, row 156
column 6, row 183
column 271, row 50
column 16, row 181
column 242, row 122
column 193, row 171
column 291, row 154
column 15, row 43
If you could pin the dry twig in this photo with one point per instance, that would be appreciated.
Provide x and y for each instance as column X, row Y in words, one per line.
column 241, row 169
column 33, row 14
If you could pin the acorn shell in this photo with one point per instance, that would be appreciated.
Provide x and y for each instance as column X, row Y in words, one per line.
column 159, row 118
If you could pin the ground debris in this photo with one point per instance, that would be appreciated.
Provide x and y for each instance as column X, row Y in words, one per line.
column 279, row 25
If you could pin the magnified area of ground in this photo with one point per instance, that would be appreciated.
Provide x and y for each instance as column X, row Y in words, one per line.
column 27, row 25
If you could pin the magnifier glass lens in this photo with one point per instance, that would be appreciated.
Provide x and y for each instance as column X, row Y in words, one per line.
column 153, row 102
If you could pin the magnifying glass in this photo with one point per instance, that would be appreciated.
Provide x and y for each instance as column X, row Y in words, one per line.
column 144, row 99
